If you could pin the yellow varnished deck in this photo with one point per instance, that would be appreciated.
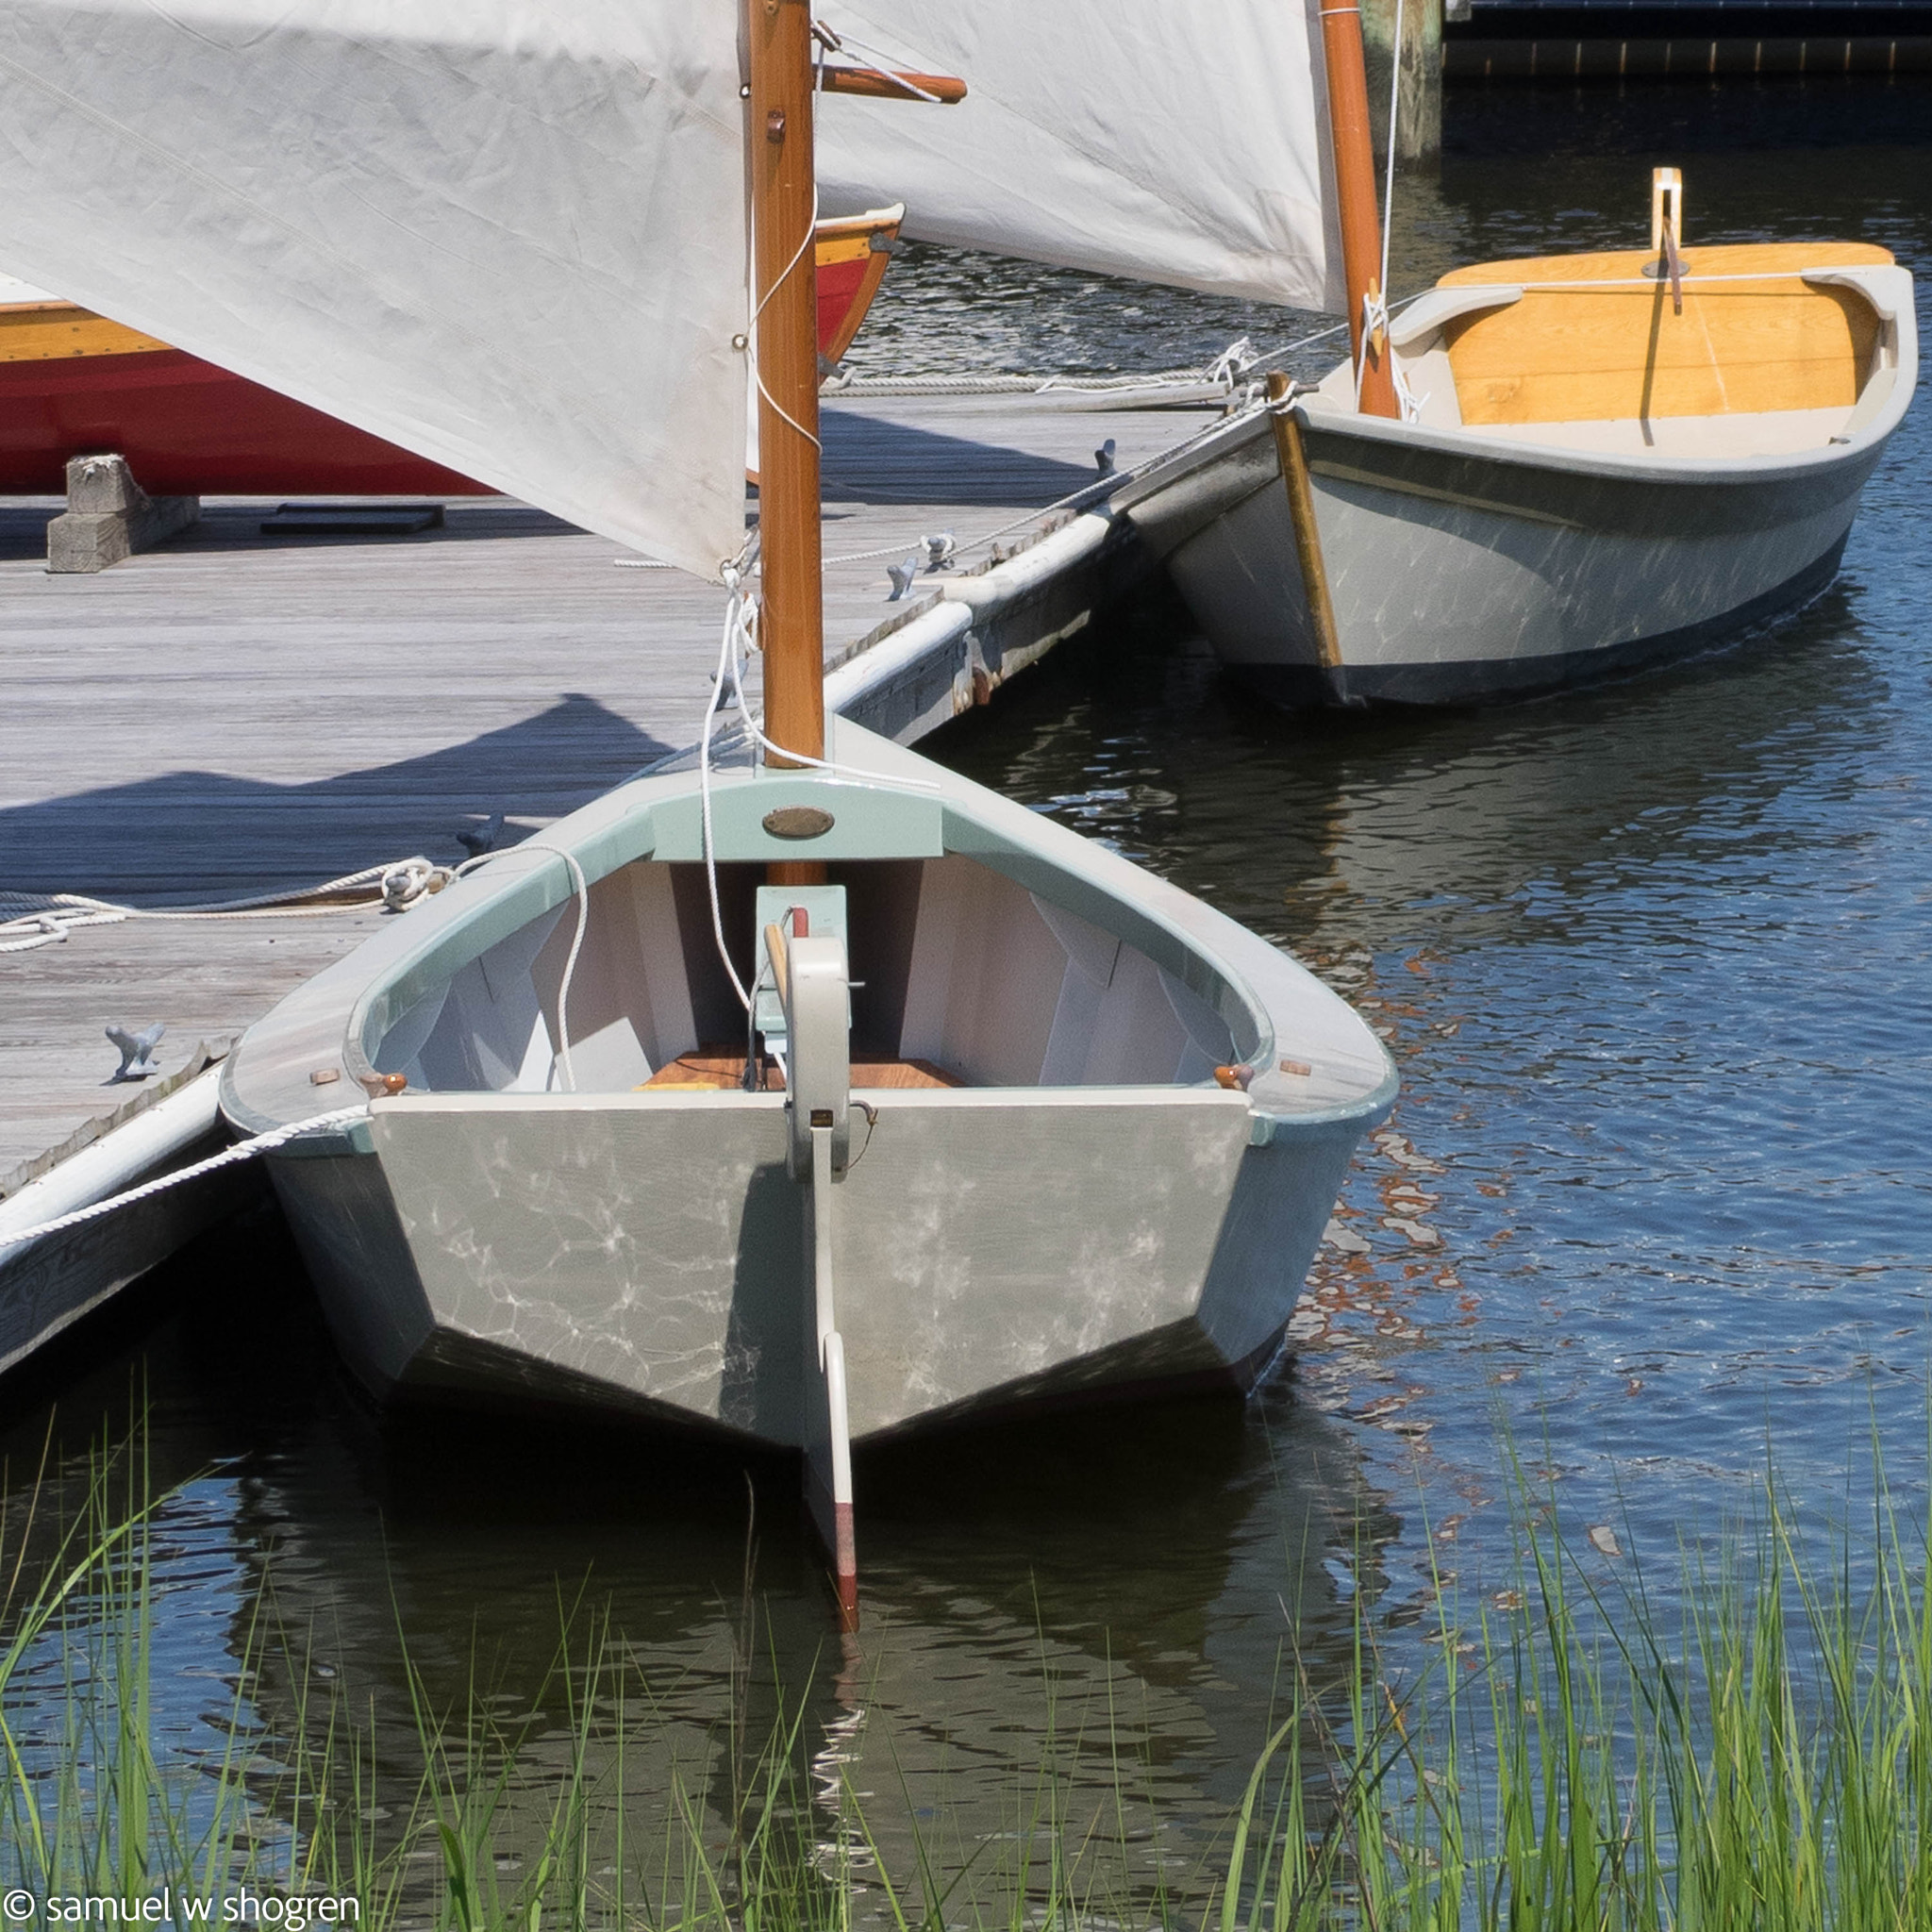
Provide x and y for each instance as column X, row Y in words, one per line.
column 48, row 331
column 1594, row 339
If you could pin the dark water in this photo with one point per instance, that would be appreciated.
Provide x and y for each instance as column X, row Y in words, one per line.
column 1653, row 963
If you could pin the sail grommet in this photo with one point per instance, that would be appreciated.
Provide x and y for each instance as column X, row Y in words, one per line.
column 798, row 822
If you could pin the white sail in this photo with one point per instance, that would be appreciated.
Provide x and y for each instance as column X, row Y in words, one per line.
column 1176, row 140
column 505, row 234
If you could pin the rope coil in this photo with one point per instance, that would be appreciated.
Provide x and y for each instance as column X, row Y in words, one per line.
column 28, row 920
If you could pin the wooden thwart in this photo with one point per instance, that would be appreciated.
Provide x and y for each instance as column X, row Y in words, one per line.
column 715, row 1068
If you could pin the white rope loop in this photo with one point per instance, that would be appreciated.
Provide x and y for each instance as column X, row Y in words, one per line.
column 788, row 756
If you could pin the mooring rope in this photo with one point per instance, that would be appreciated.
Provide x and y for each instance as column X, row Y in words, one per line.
column 1234, row 381
column 43, row 919
column 229, row 1156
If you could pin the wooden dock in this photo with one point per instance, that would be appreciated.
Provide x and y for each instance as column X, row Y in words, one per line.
column 237, row 712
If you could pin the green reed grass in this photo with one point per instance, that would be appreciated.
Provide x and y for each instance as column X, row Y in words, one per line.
column 1578, row 1759
column 1573, row 1757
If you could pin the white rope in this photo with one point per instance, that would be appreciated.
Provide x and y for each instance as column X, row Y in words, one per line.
column 580, row 887
column 1019, row 385
column 1031, row 516
column 1034, row 383
column 231, row 1157
column 787, row 756
column 751, row 340
column 29, row 919
column 1389, row 174
column 1109, row 483
column 735, row 621
column 1376, row 303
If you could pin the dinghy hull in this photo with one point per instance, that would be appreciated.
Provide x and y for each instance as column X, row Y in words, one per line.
column 73, row 383
column 1465, row 562
column 1093, row 1157
column 1459, row 574
column 648, row 1256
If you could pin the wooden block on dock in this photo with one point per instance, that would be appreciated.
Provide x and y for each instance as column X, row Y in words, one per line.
column 109, row 516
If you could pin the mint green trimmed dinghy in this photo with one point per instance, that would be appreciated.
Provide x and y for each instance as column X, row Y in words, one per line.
column 1088, row 1129
column 831, row 1098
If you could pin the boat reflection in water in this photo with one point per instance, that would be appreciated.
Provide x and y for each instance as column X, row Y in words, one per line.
column 1344, row 838
column 1103, row 1607
column 1504, row 895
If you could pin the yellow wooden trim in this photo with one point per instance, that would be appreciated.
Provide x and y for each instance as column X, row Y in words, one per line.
column 53, row 331
column 1582, row 354
column 845, row 249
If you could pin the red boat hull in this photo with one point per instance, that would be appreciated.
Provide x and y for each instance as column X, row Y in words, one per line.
column 73, row 383
column 188, row 429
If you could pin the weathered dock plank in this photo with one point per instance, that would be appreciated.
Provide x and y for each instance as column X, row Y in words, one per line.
column 235, row 713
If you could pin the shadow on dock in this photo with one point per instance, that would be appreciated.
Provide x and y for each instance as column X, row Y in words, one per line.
column 871, row 460
column 203, row 835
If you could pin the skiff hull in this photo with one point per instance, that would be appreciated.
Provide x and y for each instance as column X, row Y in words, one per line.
column 73, row 383
column 1092, row 1210
column 1471, row 562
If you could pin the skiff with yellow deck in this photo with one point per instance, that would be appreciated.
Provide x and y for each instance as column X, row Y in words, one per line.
column 1598, row 466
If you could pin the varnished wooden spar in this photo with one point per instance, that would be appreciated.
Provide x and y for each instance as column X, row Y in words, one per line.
column 784, row 203
column 791, row 618
column 879, row 85
column 1355, row 193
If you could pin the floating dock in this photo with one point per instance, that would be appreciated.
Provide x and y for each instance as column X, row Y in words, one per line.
column 244, row 712
column 1561, row 42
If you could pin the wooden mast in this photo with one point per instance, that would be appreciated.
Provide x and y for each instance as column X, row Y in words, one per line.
column 783, row 202
column 791, row 614
column 1355, row 190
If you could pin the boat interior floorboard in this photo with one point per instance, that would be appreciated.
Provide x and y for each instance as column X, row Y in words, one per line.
column 720, row 1068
